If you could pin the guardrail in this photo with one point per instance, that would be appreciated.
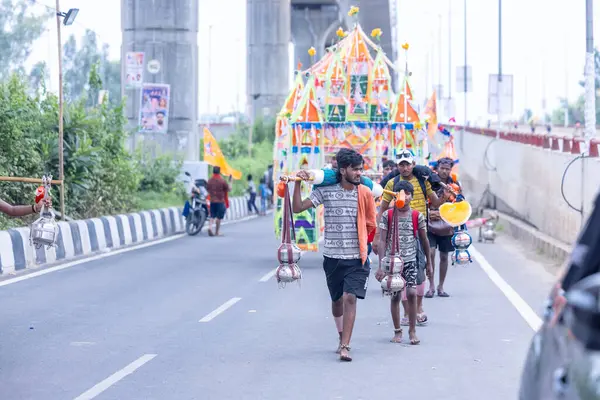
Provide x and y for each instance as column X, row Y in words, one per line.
column 565, row 144
column 85, row 238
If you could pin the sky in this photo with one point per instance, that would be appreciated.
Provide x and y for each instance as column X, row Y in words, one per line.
column 543, row 47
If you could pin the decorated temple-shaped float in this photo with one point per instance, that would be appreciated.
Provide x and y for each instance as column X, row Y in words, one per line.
column 346, row 100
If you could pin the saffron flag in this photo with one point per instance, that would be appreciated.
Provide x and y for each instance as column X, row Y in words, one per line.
column 214, row 156
column 431, row 112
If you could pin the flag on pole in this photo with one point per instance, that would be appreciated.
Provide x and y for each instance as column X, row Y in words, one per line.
column 431, row 112
column 214, row 156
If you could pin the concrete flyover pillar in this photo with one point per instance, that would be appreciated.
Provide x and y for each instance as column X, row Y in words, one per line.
column 268, row 35
column 313, row 25
column 167, row 32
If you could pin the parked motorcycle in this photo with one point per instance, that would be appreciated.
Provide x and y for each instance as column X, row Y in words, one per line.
column 195, row 210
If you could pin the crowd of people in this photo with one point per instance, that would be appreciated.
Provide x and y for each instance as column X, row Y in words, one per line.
column 355, row 227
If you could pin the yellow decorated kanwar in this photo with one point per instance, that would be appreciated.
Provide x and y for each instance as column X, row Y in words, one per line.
column 456, row 214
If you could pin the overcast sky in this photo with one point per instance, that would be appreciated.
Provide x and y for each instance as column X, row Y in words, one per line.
column 543, row 47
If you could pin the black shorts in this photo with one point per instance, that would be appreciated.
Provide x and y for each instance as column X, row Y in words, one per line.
column 346, row 276
column 444, row 243
column 410, row 273
column 217, row 210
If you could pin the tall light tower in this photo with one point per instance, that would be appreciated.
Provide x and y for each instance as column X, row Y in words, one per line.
column 590, row 73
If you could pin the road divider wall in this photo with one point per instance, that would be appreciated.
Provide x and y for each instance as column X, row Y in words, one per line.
column 81, row 238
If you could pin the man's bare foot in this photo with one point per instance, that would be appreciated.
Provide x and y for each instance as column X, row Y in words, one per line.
column 397, row 336
column 345, row 353
column 414, row 340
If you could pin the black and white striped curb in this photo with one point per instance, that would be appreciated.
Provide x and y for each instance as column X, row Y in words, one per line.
column 87, row 237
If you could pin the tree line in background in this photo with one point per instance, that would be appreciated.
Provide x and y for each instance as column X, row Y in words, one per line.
column 574, row 110
column 101, row 176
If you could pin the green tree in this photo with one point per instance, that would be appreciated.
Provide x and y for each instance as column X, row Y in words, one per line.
column 37, row 76
column 576, row 110
column 19, row 30
column 80, row 62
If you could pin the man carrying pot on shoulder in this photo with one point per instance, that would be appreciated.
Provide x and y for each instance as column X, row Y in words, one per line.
column 439, row 232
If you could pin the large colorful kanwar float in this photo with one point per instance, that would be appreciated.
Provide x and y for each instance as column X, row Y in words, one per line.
column 346, row 100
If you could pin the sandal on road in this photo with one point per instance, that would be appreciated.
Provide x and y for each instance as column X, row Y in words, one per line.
column 345, row 353
column 441, row 293
column 422, row 319
column 429, row 294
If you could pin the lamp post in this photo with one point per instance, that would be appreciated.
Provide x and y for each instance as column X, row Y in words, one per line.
column 590, row 94
column 450, row 56
column 462, row 137
column 590, row 74
column 499, row 64
column 69, row 18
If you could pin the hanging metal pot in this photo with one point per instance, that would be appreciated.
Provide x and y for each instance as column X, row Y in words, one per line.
column 392, row 263
column 488, row 233
column 392, row 284
column 44, row 231
column 287, row 273
column 288, row 253
column 461, row 240
column 461, row 257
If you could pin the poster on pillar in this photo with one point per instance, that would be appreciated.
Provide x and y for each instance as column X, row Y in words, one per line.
column 154, row 108
column 134, row 70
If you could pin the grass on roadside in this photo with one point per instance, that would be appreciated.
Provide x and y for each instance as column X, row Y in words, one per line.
column 153, row 200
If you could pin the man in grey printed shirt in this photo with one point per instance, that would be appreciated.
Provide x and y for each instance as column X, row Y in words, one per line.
column 347, row 276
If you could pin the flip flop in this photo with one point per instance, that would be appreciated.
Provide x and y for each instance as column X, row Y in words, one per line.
column 429, row 294
column 443, row 294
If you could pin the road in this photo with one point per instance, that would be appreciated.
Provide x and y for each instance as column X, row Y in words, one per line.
column 128, row 327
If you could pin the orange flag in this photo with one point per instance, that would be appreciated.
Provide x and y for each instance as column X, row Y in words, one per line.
column 431, row 112
column 214, row 156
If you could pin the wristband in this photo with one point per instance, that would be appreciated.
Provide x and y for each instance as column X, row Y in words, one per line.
column 33, row 208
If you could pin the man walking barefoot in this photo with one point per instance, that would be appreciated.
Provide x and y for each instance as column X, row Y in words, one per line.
column 349, row 218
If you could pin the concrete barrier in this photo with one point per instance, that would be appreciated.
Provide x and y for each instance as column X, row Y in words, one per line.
column 83, row 238
column 526, row 182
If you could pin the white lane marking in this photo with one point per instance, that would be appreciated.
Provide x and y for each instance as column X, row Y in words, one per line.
column 220, row 309
column 114, row 378
column 88, row 259
column 103, row 255
column 532, row 319
column 268, row 275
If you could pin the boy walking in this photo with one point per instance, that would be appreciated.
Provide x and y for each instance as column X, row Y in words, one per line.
column 411, row 229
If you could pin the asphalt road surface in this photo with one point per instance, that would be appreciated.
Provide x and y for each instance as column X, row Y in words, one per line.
column 203, row 318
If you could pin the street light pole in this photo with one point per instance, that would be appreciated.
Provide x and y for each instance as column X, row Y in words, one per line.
column 590, row 75
column 61, row 167
column 499, row 64
column 590, row 94
column 449, row 53
column 462, row 137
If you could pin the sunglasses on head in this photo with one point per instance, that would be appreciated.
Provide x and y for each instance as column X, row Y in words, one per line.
column 404, row 154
